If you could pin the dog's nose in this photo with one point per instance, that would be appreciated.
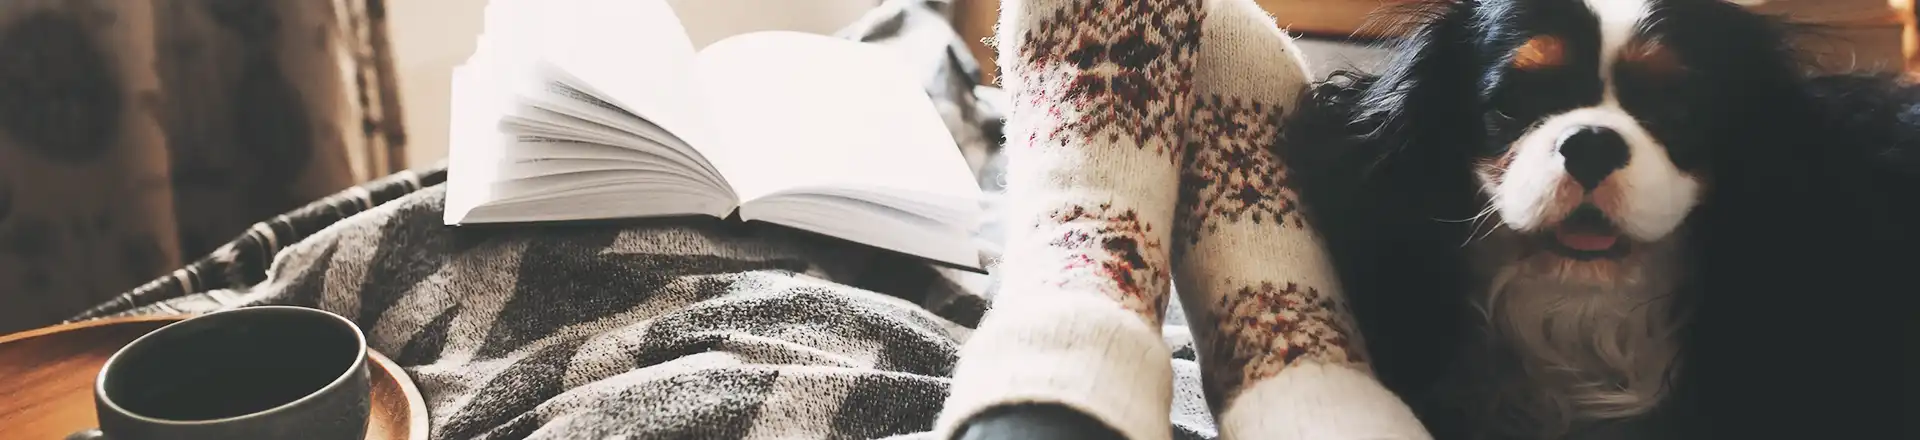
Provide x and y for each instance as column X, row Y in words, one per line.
column 1592, row 153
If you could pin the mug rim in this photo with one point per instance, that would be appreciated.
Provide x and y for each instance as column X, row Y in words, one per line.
column 100, row 380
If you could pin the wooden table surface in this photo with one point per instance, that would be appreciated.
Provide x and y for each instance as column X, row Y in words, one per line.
column 48, row 381
column 47, row 377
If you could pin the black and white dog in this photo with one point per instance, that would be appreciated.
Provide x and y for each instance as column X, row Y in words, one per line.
column 1634, row 219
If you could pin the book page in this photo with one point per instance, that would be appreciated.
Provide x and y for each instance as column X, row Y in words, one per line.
column 531, row 140
column 473, row 141
column 633, row 53
column 803, row 112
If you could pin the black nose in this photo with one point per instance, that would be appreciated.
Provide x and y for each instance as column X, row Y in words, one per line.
column 1592, row 153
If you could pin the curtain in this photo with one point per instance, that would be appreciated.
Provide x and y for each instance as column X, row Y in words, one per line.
column 137, row 134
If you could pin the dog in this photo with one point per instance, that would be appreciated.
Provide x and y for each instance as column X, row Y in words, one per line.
column 1633, row 219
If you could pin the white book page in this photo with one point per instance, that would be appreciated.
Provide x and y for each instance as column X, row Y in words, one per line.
column 633, row 53
column 474, row 143
column 854, row 220
column 805, row 112
column 559, row 116
column 508, row 112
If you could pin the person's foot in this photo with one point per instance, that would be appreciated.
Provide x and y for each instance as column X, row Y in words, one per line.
column 1035, row 421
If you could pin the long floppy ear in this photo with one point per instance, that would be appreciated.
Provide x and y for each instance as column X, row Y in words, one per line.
column 1424, row 95
column 1428, row 87
column 1364, row 153
column 1419, row 119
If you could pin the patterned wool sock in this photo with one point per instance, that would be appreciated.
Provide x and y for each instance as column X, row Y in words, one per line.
column 1129, row 117
column 1283, row 358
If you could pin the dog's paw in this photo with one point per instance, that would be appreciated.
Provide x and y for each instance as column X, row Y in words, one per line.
column 1035, row 421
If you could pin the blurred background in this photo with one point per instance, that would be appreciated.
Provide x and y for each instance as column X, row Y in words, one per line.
column 430, row 36
column 139, row 135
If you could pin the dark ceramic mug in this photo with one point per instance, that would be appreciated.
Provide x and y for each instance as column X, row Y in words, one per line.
column 267, row 372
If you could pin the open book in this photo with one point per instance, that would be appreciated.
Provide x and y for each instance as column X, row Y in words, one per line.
column 602, row 109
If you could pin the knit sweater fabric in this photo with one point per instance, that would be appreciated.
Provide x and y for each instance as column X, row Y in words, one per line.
column 1139, row 158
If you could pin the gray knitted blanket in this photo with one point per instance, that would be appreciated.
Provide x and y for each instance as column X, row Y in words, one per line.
column 671, row 329
column 658, row 329
column 662, row 329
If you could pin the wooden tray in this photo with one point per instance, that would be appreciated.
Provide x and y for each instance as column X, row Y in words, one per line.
column 47, row 376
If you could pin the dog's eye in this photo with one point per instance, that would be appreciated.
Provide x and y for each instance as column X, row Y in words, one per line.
column 1504, row 128
column 1511, row 108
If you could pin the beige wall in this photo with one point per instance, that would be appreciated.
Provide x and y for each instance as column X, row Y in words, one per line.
column 431, row 36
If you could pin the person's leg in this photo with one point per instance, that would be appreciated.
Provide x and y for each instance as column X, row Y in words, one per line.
column 1100, row 92
column 1281, row 356
column 1128, row 115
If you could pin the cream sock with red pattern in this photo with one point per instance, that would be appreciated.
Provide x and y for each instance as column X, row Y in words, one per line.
column 1140, row 130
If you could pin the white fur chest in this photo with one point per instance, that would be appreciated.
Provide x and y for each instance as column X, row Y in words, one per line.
column 1578, row 350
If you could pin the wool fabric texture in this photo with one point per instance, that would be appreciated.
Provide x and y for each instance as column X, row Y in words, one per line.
column 1139, row 158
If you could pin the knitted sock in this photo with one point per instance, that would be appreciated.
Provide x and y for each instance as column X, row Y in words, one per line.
column 1094, row 140
column 1283, row 359
column 1126, row 113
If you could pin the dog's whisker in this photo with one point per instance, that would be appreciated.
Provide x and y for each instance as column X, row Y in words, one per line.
column 1473, row 233
column 1476, row 217
column 1478, row 221
column 1492, row 227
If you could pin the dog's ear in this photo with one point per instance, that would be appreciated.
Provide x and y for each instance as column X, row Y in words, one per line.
column 1428, row 87
column 1375, row 158
column 1397, row 133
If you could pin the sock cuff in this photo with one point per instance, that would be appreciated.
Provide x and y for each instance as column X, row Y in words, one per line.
column 1080, row 350
column 1313, row 401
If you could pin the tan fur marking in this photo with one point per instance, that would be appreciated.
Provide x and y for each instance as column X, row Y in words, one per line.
column 1495, row 169
column 1539, row 53
column 1609, row 196
column 1652, row 58
column 1566, row 196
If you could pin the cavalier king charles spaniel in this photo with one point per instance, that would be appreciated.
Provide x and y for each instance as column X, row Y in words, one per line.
column 1633, row 219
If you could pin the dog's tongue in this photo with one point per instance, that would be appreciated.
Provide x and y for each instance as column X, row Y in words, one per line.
column 1586, row 241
